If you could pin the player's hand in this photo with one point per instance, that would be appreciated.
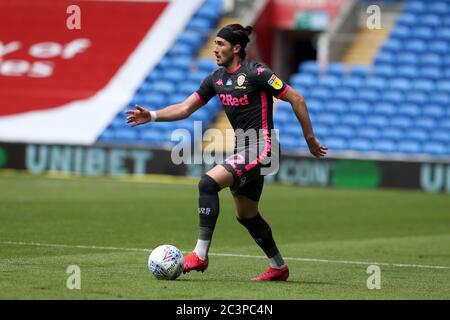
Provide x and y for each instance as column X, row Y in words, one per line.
column 316, row 149
column 138, row 116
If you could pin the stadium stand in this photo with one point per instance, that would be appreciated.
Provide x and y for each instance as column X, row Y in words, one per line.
column 400, row 104
column 176, row 76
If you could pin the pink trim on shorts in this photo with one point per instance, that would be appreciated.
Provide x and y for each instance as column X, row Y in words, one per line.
column 265, row 128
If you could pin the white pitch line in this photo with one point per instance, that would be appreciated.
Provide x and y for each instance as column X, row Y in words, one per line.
column 54, row 245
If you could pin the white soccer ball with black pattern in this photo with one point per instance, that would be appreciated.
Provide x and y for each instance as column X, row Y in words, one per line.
column 166, row 262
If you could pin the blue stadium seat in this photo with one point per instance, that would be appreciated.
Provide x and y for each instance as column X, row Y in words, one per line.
column 406, row 19
column 419, row 135
column 344, row 94
column 392, row 45
column 328, row 119
column 399, row 84
column 192, row 38
column 443, row 86
column 377, row 121
column 125, row 135
column 432, row 73
column 322, row 130
column 309, row 66
column 355, row 120
column 302, row 80
column 410, row 110
column 182, row 49
column 336, row 106
column 431, row 60
column 407, row 58
column 360, row 107
column 334, row 143
column 182, row 62
column 409, row 146
column 343, row 131
column 327, row 81
column 392, row 133
column 401, row 122
column 400, row 33
column 414, row 7
column 384, row 70
column 384, row 145
column 207, row 65
column 200, row 23
column 384, row 108
column 187, row 87
column 436, row 148
column 174, row 75
column 393, row 96
column 156, row 99
column 197, row 77
column 440, row 98
column 320, row 93
column 425, row 85
column 369, row 95
column 370, row 133
column 336, row 69
column 434, row 111
column 440, row 135
column 360, row 144
column 438, row 47
column 423, row 33
column 430, row 20
column 376, row 83
column 165, row 87
column 359, row 71
column 384, row 58
column 425, row 122
column 407, row 71
column 416, row 46
column 416, row 97
column 352, row 82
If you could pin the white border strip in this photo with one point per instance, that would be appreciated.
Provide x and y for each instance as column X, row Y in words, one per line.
column 52, row 245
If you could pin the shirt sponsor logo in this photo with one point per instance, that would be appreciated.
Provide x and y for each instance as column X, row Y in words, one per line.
column 275, row 82
column 229, row 100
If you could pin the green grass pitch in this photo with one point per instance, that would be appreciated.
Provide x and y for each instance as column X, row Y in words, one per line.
column 328, row 236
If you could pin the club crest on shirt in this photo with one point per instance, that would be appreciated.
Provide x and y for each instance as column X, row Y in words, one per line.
column 275, row 82
column 240, row 81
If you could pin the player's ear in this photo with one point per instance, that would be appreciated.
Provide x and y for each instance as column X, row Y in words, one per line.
column 237, row 48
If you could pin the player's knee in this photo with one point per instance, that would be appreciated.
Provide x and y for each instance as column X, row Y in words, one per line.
column 208, row 185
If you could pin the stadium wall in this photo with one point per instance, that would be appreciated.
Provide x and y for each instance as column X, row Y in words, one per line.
column 294, row 170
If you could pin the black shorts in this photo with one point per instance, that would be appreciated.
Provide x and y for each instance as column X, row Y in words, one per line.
column 248, row 166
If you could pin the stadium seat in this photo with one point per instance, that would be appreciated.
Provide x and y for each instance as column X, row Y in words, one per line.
column 392, row 133
column 409, row 146
column 384, row 145
column 360, row 144
column 370, row 133
column 334, row 143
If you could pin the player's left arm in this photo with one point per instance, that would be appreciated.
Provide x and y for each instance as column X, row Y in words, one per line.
column 298, row 104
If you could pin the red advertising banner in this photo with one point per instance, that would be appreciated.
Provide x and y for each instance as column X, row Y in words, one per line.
column 53, row 52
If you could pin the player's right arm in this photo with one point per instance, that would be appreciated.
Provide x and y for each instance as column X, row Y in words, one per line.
column 171, row 113
column 177, row 111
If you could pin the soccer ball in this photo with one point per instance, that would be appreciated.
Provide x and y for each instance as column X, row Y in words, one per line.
column 166, row 262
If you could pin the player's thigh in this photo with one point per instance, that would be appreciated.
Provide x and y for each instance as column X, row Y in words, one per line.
column 221, row 175
column 246, row 208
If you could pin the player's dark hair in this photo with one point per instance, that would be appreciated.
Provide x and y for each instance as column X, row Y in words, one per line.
column 237, row 34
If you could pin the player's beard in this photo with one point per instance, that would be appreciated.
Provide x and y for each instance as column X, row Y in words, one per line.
column 226, row 59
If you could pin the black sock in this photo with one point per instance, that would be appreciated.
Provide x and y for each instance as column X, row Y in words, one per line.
column 261, row 232
column 208, row 206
